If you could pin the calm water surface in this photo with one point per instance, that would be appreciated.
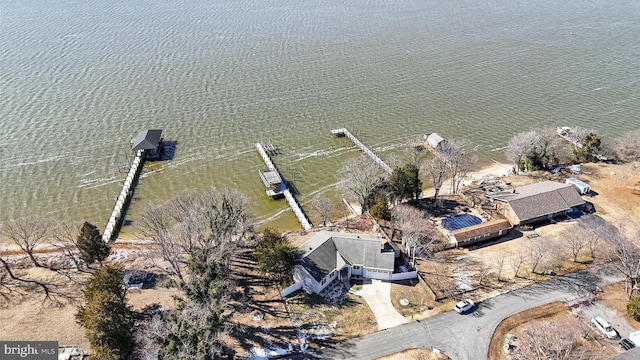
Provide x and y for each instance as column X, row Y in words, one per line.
column 80, row 78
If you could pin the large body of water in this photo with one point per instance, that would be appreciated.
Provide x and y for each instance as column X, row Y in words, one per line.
column 80, row 78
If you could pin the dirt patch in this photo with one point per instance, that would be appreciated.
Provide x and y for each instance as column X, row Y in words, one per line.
column 415, row 354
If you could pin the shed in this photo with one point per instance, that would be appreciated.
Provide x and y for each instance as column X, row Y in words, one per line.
column 434, row 140
column 148, row 141
column 581, row 186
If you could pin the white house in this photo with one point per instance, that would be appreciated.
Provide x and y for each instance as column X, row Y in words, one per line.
column 333, row 256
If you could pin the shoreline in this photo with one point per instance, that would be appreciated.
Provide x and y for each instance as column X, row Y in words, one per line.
column 495, row 169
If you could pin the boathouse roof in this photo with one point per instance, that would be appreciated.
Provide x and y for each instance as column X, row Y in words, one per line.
column 147, row 140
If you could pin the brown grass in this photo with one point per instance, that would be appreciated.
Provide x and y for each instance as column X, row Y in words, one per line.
column 415, row 354
column 353, row 318
column 509, row 324
column 420, row 297
column 614, row 297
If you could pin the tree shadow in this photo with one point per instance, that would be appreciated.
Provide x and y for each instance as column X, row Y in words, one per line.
column 441, row 207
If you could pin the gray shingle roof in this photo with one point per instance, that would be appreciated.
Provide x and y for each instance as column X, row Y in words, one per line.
column 147, row 140
column 540, row 199
column 320, row 253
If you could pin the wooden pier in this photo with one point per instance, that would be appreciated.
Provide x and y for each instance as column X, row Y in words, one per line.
column 276, row 186
column 346, row 133
column 116, row 218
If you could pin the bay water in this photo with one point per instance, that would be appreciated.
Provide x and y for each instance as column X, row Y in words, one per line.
column 79, row 79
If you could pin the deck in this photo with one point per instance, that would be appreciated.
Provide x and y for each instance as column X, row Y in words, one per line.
column 276, row 186
column 126, row 194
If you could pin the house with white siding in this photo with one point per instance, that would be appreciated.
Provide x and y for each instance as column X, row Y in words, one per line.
column 329, row 257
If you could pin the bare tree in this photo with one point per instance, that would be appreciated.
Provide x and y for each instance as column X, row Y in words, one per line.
column 516, row 261
column 597, row 229
column 500, row 260
column 626, row 259
column 361, row 176
column 436, row 169
column 593, row 243
column 418, row 232
column 575, row 239
column 189, row 222
column 28, row 233
column 65, row 234
column 520, row 145
column 539, row 148
column 538, row 252
column 627, row 147
column 324, row 208
column 415, row 152
column 459, row 160
column 541, row 339
column 483, row 271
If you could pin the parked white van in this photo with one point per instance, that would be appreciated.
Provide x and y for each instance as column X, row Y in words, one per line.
column 604, row 327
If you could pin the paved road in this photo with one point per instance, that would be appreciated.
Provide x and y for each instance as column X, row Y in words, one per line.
column 467, row 336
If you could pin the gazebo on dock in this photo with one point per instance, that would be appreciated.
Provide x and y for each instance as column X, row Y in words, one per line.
column 149, row 141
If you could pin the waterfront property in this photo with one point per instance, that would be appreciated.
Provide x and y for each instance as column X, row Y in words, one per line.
column 330, row 257
column 535, row 202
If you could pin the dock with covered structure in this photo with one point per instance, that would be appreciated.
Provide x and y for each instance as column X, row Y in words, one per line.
column 146, row 145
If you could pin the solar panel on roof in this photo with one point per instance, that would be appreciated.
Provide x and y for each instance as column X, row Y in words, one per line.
column 456, row 222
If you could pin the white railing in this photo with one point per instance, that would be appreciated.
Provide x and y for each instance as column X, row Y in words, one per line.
column 363, row 147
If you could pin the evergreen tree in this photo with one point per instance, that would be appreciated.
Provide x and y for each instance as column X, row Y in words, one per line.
column 405, row 183
column 276, row 257
column 633, row 308
column 90, row 244
column 380, row 209
column 106, row 316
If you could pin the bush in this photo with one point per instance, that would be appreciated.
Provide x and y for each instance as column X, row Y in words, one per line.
column 633, row 308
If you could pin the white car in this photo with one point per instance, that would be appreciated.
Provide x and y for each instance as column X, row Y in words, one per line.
column 604, row 327
column 464, row 306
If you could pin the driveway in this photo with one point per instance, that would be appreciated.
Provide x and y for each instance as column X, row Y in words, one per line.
column 467, row 336
column 377, row 294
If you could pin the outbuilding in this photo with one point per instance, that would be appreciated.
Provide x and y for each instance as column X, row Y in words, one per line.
column 582, row 187
column 148, row 141
column 434, row 141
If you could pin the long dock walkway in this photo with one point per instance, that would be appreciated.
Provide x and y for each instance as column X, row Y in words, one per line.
column 345, row 132
column 115, row 220
column 302, row 218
